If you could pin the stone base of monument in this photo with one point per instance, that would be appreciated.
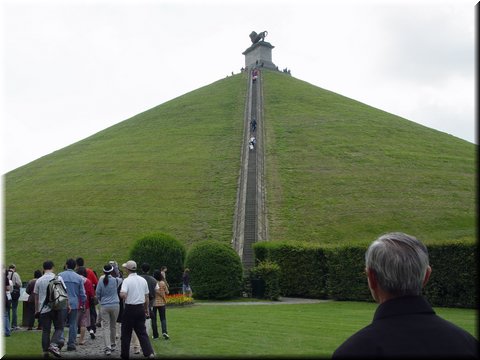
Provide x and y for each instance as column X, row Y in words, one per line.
column 259, row 55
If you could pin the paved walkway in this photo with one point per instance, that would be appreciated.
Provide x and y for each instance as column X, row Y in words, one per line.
column 93, row 348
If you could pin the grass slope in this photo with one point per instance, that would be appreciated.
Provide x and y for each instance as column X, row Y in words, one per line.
column 341, row 171
column 173, row 168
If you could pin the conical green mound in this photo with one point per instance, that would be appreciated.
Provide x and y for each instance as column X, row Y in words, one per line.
column 341, row 171
column 336, row 171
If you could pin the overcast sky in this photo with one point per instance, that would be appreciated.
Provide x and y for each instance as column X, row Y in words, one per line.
column 71, row 68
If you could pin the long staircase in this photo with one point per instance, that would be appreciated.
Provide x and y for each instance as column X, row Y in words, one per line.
column 250, row 218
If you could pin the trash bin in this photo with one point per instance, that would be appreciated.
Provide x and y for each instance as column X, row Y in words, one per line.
column 258, row 288
column 23, row 301
column 24, row 314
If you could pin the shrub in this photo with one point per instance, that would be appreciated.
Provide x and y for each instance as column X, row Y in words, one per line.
column 268, row 273
column 261, row 250
column 215, row 270
column 161, row 249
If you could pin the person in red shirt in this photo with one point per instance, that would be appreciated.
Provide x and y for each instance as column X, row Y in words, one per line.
column 90, row 273
column 92, row 328
column 84, row 314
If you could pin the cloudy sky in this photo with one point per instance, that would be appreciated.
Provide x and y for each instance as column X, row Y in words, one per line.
column 70, row 68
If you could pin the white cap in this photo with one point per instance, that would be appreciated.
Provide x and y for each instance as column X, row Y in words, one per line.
column 130, row 265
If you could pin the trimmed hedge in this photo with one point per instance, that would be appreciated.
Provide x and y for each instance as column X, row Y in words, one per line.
column 161, row 249
column 302, row 267
column 338, row 272
column 454, row 275
column 215, row 270
column 346, row 279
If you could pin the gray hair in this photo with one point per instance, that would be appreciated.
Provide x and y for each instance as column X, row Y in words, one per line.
column 400, row 262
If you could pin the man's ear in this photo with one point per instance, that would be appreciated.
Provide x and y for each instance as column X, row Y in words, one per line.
column 427, row 275
column 372, row 283
column 372, row 278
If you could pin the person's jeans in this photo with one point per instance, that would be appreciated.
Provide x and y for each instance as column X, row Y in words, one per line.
column 46, row 320
column 163, row 320
column 153, row 316
column 14, row 313
column 6, row 319
column 109, row 316
column 72, row 326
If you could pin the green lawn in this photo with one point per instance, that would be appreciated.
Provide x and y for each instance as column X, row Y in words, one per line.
column 257, row 330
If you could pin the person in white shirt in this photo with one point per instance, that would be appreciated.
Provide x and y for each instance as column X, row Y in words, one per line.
column 46, row 315
column 8, row 303
column 134, row 292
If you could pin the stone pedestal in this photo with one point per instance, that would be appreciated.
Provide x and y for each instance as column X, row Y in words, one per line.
column 259, row 55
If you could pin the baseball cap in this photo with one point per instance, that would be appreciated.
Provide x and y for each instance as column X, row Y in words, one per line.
column 130, row 265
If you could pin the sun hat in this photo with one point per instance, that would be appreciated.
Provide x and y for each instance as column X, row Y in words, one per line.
column 108, row 268
column 130, row 265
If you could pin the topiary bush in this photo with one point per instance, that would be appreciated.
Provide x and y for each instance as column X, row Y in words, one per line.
column 268, row 273
column 161, row 249
column 215, row 270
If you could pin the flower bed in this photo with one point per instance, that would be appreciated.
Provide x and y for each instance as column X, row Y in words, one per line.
column 179, row 300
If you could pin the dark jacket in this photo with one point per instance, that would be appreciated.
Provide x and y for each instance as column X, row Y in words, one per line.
column 408, row 327
column 151, row 287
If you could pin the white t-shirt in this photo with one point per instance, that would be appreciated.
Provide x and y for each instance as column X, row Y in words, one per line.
column 9, row 292
column 136, row 288
column 41, row 289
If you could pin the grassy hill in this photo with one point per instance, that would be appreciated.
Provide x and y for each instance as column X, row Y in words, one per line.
column 173, row 168
column 341, row 171
column 337, row 171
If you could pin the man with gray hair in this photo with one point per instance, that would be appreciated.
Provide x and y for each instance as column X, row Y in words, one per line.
column 404, row 324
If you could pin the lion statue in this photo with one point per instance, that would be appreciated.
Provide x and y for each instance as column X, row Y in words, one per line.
column 258, row 37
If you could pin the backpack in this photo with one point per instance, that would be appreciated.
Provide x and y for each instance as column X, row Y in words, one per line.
column 15, row 292
column 57, row 295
